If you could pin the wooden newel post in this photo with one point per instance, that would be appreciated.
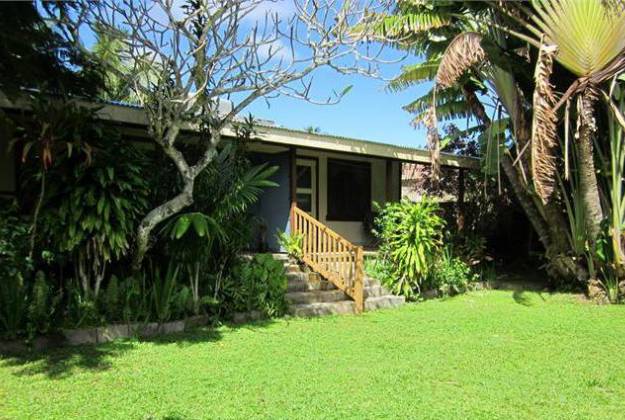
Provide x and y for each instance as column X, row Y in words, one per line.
column 292, row 227
column 359, row 280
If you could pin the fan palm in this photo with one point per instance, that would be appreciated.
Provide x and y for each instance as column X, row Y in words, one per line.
column 590, row 40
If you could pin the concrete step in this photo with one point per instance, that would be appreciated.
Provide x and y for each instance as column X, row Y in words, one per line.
column 315, row 296
column 323, row 308
column 301, row 294
column 382, row 302
column 374, row 291
column 304, row 285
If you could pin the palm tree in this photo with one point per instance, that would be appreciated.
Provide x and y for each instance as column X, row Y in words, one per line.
column 590, row 41
column 485, row 43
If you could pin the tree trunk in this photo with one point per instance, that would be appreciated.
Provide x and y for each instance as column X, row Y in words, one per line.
column 158, row 215
column 549, row 227
column 526, row 202
column 33, row 229
column 587, row 173
column 546, row 220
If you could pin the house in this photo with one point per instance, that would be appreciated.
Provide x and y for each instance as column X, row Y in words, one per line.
column 334, row 179
column 326, row 188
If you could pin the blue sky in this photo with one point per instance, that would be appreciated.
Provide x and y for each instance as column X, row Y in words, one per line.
column 367, row 112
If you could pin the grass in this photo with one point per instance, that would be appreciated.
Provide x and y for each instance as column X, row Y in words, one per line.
column 492, row 354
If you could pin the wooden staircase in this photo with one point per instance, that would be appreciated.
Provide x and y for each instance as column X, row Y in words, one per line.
column 336, row 282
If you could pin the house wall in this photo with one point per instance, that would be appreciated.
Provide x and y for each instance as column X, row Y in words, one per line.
column 273, row 206
column 354, row 231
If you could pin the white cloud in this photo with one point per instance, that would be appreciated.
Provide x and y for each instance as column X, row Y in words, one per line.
column 278, row 49
column 285, row 9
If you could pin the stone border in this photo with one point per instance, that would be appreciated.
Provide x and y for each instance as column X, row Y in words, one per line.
column 104, row 334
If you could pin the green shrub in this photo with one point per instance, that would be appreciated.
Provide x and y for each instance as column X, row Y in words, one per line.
column 410, row 242
column 91, row 208
column 379, row 269
column 259, row 284
column 134, row 299
column 292, row 244
column 13, row 305
column 15, row 268
column 451, row 275
column 164, row 292
column 112, row 300
column 14, row 240
column 42, row 306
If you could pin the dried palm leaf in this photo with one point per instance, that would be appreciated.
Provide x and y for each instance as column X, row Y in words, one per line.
column 434, row 144
column 544, row 141
column 462, row 53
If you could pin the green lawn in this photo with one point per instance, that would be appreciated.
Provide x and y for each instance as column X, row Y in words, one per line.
column 484, row 355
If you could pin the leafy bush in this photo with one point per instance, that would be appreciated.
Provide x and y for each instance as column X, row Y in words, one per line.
column 451, row 275
column 91, row 208
column 14, row 260
column 258, row 284
column 15, row 267
column 13, row 305
column 410, row 241
column 379, row 269
column 292, row 243
column 164, row 292
column 42, row 306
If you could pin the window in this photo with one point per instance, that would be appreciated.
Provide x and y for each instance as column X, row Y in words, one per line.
column 306, row 194
column 349, row 190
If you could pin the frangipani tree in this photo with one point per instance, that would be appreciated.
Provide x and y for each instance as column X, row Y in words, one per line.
column 206, row 54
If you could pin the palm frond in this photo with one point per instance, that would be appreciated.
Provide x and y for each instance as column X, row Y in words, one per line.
column 544, row 122
column 589, row 34
column 246, row 191
column 399, row 26
column 414, row 74
column 464, row 52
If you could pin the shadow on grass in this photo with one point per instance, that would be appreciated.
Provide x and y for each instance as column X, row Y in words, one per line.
column 522, row 297
column 62, row 362
column 59, row 363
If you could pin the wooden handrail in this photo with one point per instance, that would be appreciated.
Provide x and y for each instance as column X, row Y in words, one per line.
column 331, row 255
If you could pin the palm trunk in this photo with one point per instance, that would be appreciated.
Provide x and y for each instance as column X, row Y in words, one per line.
column 587, row 172
column 547, row 221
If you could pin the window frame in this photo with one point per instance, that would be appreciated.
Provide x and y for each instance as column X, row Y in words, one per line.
column 313, row 163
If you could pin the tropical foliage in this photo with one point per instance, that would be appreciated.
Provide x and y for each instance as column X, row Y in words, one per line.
column 410, row 237
column 480, row 56
column 258, row 284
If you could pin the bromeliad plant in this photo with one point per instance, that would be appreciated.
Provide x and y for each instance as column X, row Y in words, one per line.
column 411, row 237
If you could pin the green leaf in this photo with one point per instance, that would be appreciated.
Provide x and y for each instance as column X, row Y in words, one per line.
column 181, row 226
column 200, row 225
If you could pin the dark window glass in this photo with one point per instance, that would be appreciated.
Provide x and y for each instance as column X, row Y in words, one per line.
column 304, row 177
column 349, row 190
column 304, row 202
